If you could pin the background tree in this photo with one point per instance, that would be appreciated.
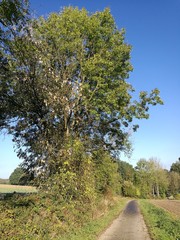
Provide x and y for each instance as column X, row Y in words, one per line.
column 65, row 79
column 16, row 176
column 126, row 171
column 151, row 178
column 175, row 167
column 107, row 178
column 174, row 178
column 174, row 183
column 142, row 178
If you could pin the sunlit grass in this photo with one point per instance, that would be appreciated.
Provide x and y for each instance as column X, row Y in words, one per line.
column 161, row 224
column 6, row 188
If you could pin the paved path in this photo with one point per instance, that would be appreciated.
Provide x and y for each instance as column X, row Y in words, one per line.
column 128, row 226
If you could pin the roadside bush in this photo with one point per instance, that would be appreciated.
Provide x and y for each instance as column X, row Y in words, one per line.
column 73, row 179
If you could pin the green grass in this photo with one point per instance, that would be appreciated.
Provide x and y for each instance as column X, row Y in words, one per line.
column 6, row 188
column 94, row 228
column 161, row 225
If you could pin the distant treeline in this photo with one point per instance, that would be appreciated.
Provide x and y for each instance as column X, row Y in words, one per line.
column 4, row 181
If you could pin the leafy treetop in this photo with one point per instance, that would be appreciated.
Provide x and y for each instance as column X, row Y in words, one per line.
column 65, row 77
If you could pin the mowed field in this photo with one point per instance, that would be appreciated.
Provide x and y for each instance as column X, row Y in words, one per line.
column 6, row 188
column 172, row 206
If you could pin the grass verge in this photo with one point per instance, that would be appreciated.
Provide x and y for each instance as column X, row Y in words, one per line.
column 161, row 225
column 92, row 229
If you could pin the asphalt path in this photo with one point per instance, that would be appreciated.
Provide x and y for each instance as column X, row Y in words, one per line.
column 129, row 225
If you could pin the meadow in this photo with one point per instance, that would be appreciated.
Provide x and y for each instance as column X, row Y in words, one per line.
column 7, row 188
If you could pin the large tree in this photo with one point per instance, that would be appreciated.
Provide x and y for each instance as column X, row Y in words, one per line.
column 66, row 78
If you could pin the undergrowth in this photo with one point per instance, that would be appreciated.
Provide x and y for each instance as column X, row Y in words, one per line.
column 92, row 229
column 40, row 217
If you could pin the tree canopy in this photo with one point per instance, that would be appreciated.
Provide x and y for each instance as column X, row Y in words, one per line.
column 151, row 178
column 65, row 78
column 16, row 176
column 175, row 167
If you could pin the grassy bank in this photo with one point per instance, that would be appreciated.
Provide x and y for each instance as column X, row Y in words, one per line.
column 161, row 224
column 94, row 228
column 42, row 217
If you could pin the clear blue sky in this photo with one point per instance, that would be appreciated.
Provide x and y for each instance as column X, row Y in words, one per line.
column 153, row 29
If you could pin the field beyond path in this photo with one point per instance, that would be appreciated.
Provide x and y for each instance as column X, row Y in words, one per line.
column 172, row 206
column 128, row 226
column 7, row 188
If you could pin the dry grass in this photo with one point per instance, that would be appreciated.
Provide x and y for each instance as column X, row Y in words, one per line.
column 6, row 188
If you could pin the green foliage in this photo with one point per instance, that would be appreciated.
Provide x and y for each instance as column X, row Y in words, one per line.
column 161, row 225
column 106, row 174
column 16, row 176
column 65, row 78
column 151, row 179
column 175, row 167
column 129, row 190
column 126, row 171
column 177, row 196
column 73, row 178
column 44, row 217
column 12, row 11
column 94, row 227
column 174, row 178
column 174, row 183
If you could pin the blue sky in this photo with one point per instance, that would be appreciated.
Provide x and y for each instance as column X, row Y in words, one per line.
column 153, row 30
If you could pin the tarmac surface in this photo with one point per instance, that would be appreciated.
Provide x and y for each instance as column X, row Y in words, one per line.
column 129, row 225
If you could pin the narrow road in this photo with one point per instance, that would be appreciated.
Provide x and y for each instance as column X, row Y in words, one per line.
column 128, row 226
